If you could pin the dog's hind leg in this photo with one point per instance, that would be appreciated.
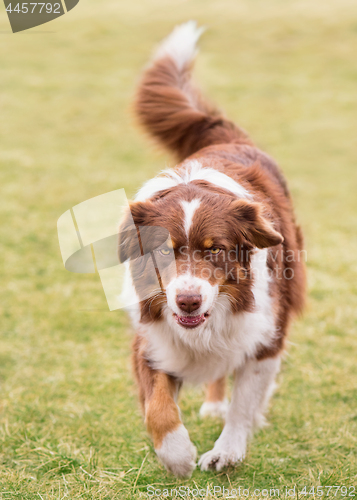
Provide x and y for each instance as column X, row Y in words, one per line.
column 216, row 403
column 158, row 393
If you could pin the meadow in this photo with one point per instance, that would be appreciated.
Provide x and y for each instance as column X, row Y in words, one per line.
column 70, row 424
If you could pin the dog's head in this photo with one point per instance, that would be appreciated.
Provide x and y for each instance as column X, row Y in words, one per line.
column 190, row 245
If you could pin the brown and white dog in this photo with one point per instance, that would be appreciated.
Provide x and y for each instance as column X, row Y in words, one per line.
column 238, row 276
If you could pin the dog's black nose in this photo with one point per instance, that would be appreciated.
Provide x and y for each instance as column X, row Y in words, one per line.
column 188, row 303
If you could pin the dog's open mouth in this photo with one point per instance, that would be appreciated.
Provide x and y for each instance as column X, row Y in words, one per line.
column 191, row 321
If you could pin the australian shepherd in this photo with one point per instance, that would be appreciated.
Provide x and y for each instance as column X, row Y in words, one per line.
column 229, row 268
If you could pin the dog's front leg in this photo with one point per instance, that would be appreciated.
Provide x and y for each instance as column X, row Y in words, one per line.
column 158, row 392
column 253, row 385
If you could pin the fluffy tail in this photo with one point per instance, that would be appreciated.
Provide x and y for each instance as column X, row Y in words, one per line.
column 171, row 109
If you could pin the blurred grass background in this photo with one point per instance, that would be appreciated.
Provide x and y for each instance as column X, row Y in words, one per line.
column 70, row 425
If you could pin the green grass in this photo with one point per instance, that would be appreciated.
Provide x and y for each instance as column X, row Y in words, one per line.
column 70, row 425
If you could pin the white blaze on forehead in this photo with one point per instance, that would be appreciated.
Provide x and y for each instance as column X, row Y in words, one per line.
column 189, row 208
column 191, row 170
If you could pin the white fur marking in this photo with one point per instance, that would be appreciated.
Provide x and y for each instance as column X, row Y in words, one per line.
column 129, row 296
column 153, row 186
column 180, row 45
column 191, row 170
column 214, row 409
column 189, row 208
column 177, row 453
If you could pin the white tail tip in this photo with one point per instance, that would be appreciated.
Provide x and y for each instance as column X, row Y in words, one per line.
column 180, row 45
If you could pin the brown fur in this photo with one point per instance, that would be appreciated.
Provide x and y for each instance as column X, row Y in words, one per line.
column 157, row 393
column 216, row 391
column 164, row 107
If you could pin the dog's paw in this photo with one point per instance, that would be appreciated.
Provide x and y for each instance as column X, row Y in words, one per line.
column 214, row 409
column 177, row 453
column 216, row 459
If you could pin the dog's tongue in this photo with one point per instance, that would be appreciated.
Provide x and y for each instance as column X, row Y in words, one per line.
column 190, row 320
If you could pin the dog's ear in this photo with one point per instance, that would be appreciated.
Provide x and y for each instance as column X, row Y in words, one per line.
column 130, row 245
column 253, row 226
column 142, row 212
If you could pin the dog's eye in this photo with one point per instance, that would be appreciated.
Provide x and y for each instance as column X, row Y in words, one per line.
column 164, row 251
column 215, row 250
